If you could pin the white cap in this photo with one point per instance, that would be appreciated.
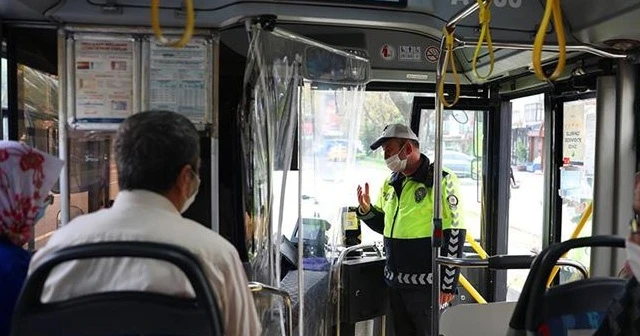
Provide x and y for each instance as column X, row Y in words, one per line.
column 397, row 131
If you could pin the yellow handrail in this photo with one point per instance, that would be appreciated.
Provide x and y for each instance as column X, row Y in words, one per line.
column 485, row 34
column 450, row 63
column 576, row 232
column 476, row 247
column 472, row 291
column 552, row 8
column 188, row 28
column 463, row 281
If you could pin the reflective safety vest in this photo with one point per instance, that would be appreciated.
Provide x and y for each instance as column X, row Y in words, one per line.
column 411, row 214
column 403, row 213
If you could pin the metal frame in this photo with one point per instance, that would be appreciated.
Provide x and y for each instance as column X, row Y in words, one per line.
column 467, row 104
column 604, row 186
column 552, row 202
column 215, row 137
column 625, row 161
column 338, row 277
column 463, row 44
column 12, row 84
column 257, row 287
column 497, row 192
column 64, row 99
column 379, row 3
column 552, row 213
column 484, row 263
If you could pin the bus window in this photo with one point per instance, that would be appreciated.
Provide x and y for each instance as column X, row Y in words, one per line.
column 337, row 127
column 91, row 167
column 527, row 186
column 462, row 150
column 37, row 127
column 577, row 175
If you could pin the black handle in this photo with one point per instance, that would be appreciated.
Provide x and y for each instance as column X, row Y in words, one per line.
column 502, row 262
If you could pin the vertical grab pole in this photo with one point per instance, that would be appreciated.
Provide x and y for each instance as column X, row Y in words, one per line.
column 65, row 63
column 436, row 236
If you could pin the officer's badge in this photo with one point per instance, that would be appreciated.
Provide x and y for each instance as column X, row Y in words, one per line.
column 420, row 194
column 453, row 200
column 387, row 196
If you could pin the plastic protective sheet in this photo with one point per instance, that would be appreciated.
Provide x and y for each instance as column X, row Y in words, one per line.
column 331, row 118
column 271, row 120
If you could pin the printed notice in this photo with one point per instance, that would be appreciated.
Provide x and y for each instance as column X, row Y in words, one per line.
column 178, row 79
column 104, row 80
column 573, row 144
column 410, row 53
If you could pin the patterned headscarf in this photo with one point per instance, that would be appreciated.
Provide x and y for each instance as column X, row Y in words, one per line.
column 26, row 177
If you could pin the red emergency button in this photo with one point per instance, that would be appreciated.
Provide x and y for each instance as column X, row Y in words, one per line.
column 438, row 234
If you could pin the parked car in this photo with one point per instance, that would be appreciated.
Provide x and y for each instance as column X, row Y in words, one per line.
column 336, row 149
column 460, row 163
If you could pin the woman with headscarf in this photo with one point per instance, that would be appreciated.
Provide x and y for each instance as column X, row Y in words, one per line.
column 26, row 177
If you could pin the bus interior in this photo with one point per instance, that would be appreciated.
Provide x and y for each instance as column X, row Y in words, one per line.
column 532, row 104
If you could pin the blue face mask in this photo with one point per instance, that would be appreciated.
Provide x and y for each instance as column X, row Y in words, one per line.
column 42, row 210
column 40, row 213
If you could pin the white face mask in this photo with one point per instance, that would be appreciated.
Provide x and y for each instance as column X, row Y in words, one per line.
column 192, row 198
column 395, row 164
column 633, row 257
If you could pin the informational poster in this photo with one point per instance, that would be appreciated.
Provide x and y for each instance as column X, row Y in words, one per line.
column 103, row 80
column 573, row 142
column 178, row 79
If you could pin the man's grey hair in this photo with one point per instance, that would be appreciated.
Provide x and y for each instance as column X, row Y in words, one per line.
column 151, row 149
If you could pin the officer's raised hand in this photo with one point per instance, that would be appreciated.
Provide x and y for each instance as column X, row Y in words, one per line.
column 363, row 199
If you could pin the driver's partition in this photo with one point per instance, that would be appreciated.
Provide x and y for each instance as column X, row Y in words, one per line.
column 119, row 313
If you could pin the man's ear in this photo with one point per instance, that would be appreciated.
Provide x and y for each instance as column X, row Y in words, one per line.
column 184, row 178
column 411, row 148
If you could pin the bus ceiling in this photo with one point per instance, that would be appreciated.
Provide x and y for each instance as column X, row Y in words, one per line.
column 400, row 37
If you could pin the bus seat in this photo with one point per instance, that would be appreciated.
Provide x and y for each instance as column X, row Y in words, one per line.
column 579, row 305
column 568, row 309
column 119, row 313
column 479, row 319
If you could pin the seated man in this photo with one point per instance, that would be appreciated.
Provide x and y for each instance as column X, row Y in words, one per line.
column 157, row 156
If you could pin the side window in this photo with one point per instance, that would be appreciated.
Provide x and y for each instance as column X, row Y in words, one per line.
column 577, row 176
column 337, row 128
column 38, row 127
column 91, row 166
column 527, row 185
column 461, row 143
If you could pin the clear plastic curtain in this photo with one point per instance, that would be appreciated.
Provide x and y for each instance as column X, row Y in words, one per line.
column 334, row 113
column 273, row 114
column 268, row 116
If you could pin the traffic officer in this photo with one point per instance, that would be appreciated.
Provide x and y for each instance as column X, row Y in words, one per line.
column 403, row 213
